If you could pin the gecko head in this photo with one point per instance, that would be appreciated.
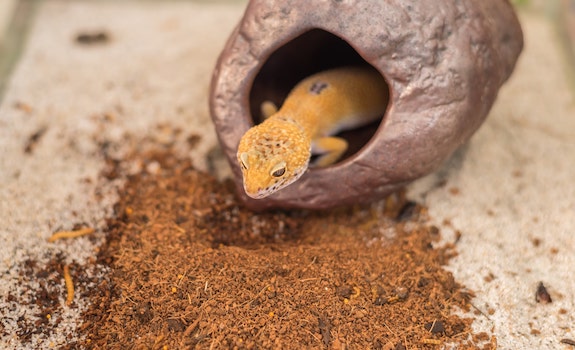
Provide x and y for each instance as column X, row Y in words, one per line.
column 272, row 155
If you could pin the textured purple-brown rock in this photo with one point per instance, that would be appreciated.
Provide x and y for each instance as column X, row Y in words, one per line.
column 444, row 62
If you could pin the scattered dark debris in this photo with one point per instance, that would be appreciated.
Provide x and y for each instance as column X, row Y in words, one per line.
column 541, row 295
column 489, row 278
column 407, row 211
column 458, row 236
column 34, row 139
column 344, row 292
column 554, row 250
column 324, row 329
column 193, row 140
column 435, row 327
column 536, row 242
column 91, row 38
column 175, row 325
column 379, row 296
column 143, row 312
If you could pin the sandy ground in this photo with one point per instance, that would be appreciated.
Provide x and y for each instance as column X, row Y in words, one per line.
column 510, row 191
column 64, row 92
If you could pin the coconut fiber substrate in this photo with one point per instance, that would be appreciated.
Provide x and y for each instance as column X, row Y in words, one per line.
column 190, row 268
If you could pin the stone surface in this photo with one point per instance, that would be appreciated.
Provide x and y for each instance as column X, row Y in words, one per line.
column 444, row 65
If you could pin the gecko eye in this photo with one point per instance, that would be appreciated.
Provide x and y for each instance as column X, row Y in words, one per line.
column 279, row 170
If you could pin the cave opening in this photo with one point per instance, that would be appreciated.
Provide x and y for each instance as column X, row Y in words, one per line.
column 314, row 51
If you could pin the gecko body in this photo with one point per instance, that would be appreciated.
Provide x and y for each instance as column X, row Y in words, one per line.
column 277, row 152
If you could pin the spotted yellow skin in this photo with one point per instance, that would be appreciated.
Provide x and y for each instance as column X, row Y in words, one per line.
column 277, row 152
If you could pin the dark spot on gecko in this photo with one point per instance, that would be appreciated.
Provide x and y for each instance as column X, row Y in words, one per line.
column 317, row 87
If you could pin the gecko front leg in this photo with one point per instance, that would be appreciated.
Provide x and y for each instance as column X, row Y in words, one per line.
column 267, row 109
column 329, row 149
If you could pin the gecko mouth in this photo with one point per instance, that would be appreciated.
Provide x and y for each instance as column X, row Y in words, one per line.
column 311, row 52
column 265, row 192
